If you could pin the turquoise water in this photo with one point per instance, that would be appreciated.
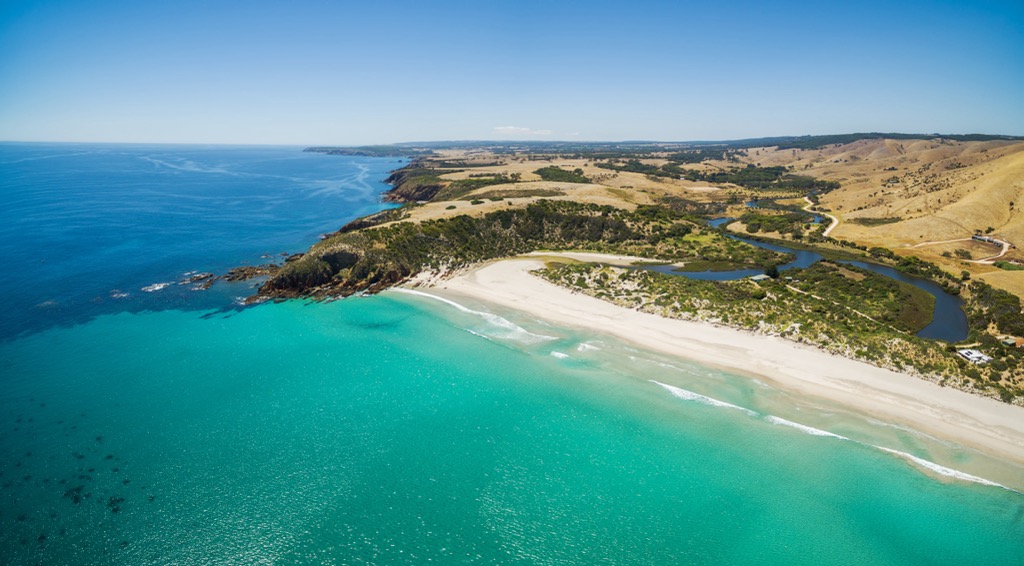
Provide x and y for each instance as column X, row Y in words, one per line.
column 381, row 430
column 405, row 429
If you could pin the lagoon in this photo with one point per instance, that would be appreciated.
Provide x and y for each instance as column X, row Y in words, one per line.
column 949, row 322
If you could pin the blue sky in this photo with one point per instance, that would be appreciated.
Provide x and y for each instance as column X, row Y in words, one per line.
column 321, row 72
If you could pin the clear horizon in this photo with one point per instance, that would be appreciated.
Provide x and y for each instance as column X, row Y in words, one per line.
column 322, row 73
column 924, row 135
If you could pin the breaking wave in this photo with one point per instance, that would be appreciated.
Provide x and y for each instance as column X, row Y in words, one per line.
column 920, row 462
column 155, row 287
column 942, row 470
column 496, row 328
column 703, row 399
column 803, row 428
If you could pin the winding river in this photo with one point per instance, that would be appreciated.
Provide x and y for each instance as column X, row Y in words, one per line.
column 949, row 323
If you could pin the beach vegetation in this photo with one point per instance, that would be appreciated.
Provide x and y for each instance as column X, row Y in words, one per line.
column 835, row 306
column 382, row 217
column 839, row 308
column 390, row 253
column 994, row 307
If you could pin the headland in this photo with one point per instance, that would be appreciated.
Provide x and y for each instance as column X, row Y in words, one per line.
column 733, row 255
column 724, row 230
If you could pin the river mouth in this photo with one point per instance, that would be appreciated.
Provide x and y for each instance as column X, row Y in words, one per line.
column 949, row 323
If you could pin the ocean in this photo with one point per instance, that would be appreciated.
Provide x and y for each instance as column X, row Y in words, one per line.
column 145, row 422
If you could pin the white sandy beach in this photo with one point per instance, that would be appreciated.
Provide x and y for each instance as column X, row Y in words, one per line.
column 986, row 424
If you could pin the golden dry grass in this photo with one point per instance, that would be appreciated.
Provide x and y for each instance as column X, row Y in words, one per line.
column 1012, row 281
column 932, row 252
column 940, row 190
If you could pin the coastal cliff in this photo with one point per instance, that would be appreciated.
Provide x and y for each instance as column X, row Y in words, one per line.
column 471, row 206
column 372, row 258
column 413, row 184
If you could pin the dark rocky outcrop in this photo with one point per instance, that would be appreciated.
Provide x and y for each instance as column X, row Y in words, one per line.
column 413, row 183
column 379, row 257
column 247, row 272
column 205, row 280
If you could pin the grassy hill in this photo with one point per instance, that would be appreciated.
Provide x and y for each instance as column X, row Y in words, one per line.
column 898, row 199
column 903, row 194
column 898, row 191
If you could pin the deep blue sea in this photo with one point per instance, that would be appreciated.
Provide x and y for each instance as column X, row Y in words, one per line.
column 85, row 228
column 143, row 423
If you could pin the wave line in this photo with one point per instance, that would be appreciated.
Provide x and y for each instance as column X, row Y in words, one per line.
column 703, row 399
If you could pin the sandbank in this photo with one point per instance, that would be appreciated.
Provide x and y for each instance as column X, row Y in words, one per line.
column 985, row 424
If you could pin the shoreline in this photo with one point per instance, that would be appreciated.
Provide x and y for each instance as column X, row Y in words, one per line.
column 992, row 427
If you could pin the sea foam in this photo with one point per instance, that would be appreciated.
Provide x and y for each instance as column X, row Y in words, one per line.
column 942, row 470
column 155, row 287
column 497, row 327
column 802, row 428
column 703, row 399
column 926, row 464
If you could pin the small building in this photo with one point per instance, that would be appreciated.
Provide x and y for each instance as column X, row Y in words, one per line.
column 1011, row 341
column 974, row 356
column 760, row 277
